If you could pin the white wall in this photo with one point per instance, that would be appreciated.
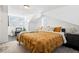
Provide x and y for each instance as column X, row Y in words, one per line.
column 67, row 25
column 67, row 16
column 66, row 13
column 47, row 21
column 34, row 24
column 3, row 23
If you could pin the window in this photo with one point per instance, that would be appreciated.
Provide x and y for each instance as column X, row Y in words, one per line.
column 16, row 21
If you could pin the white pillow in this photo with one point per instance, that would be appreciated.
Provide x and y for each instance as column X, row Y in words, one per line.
column 62, row 33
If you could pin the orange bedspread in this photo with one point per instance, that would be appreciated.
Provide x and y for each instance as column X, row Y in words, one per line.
column 40, row 41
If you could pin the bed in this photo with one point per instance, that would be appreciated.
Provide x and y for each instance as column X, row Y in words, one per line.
column 41, row 42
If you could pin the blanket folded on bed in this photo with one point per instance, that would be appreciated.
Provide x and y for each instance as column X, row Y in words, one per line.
column 40, row 41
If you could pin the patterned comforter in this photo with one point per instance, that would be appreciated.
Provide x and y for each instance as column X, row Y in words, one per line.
column 40, row 42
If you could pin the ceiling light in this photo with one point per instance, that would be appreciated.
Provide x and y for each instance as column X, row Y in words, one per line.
column 26, row 6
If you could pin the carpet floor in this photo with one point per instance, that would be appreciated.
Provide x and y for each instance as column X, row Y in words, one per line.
column 13, row 47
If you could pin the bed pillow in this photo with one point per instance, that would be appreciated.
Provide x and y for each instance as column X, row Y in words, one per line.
column 57, row 29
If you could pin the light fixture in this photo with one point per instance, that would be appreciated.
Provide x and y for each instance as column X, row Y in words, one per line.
column 26, row 6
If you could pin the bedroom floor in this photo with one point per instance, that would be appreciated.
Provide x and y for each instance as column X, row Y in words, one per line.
column 13, row 47
column 11, row 38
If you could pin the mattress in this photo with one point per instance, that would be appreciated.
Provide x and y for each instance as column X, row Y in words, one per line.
column 40, row 42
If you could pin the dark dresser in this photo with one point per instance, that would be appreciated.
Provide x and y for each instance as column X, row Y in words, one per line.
column 72, row 40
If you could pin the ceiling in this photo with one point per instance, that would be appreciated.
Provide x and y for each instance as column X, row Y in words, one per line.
column 19, row 9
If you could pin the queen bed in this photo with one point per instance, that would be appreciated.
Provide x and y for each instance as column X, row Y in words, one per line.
column 41, row 41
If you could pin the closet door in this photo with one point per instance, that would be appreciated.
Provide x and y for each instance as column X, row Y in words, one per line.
column 3, row 23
